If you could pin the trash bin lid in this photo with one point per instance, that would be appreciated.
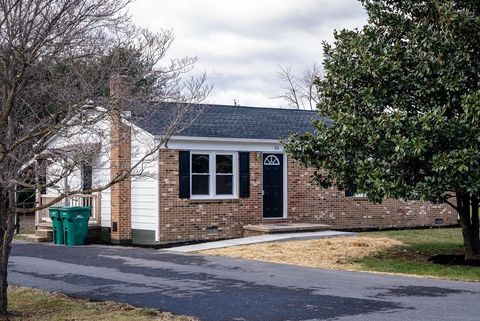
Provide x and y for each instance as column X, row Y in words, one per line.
column 76, row 208
column 74, row 211
column 54, row 211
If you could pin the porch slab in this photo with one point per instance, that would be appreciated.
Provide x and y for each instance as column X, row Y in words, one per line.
column 286, row 228
column 267, row 238
column 44, row 233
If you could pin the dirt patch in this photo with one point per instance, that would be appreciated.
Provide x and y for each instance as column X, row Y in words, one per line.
column 334, row 253
column 452, row 259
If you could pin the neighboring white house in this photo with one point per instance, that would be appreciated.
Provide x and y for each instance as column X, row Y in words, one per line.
column 94, row 173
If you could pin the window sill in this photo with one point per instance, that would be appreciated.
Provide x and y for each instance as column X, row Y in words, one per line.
column 216, row 197
column 213, row 199
column 360, row 198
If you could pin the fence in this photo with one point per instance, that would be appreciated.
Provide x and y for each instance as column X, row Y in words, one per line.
column 89, row 200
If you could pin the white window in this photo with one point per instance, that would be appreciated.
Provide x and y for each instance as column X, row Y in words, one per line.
column 213, row 175
column 360, row 195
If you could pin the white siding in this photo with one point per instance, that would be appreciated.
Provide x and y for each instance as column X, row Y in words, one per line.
column 101, row 176
column 106, row 209
column 144, row 182
column 53, row 171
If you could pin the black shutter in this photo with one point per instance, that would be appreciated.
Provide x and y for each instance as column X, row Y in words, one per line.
column 42, row 180
column 244, row 160
column 184, row 174
column 87, row 176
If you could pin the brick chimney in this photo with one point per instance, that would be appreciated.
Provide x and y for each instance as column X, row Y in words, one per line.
column 120, row 162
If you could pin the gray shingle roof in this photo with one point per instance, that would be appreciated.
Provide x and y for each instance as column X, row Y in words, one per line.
column 222, row 121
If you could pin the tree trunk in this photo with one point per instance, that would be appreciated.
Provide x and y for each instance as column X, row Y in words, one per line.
column 3, row 216
column 3, row 284
column 468, row 210
column 7, row 229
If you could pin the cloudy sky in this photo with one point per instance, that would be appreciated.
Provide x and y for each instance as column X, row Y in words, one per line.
column 241, row 44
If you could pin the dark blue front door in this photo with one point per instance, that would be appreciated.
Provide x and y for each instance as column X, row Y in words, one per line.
column 272, row 185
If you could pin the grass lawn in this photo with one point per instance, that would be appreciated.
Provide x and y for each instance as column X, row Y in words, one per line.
column 405, row 252
column 29, row 304
column 412, row 257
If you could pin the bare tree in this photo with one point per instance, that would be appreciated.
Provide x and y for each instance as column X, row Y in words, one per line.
column 299, row 91
column 56, row 58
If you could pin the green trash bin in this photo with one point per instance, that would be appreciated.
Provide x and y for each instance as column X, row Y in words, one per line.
column 57, row 224
column 75, row 224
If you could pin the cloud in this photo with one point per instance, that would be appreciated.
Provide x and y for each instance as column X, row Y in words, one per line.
column 242, row 43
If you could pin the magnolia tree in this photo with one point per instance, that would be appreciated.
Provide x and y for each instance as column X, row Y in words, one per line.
column 403, row 94
column 56, row 59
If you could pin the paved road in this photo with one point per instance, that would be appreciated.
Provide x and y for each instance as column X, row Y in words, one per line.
column 217, row 289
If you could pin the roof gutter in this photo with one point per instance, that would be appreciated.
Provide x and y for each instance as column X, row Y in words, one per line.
column 220, row 139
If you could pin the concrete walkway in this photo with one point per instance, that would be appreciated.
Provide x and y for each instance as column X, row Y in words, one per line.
column 258, row 239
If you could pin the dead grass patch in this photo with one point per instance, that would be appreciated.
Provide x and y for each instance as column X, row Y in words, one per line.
column 334, row 253
column 28, row 304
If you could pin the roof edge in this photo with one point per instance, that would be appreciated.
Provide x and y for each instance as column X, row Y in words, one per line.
column 204, row 104
column 221, row 139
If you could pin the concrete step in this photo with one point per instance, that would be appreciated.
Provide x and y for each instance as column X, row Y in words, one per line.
column 44, row 233
column 276, row 228
column 37, row 239
column 44, row 226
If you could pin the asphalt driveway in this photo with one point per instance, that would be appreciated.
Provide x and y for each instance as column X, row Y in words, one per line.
column 216, row 289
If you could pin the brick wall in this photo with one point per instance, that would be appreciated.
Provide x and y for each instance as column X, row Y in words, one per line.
column 120, row 163
column 310, row 203
column 184, row 220
column 188, row 220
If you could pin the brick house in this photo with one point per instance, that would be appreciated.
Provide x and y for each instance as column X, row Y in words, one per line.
column 224, row 171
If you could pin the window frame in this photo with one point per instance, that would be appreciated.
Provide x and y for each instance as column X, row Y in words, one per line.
column 212, row 174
